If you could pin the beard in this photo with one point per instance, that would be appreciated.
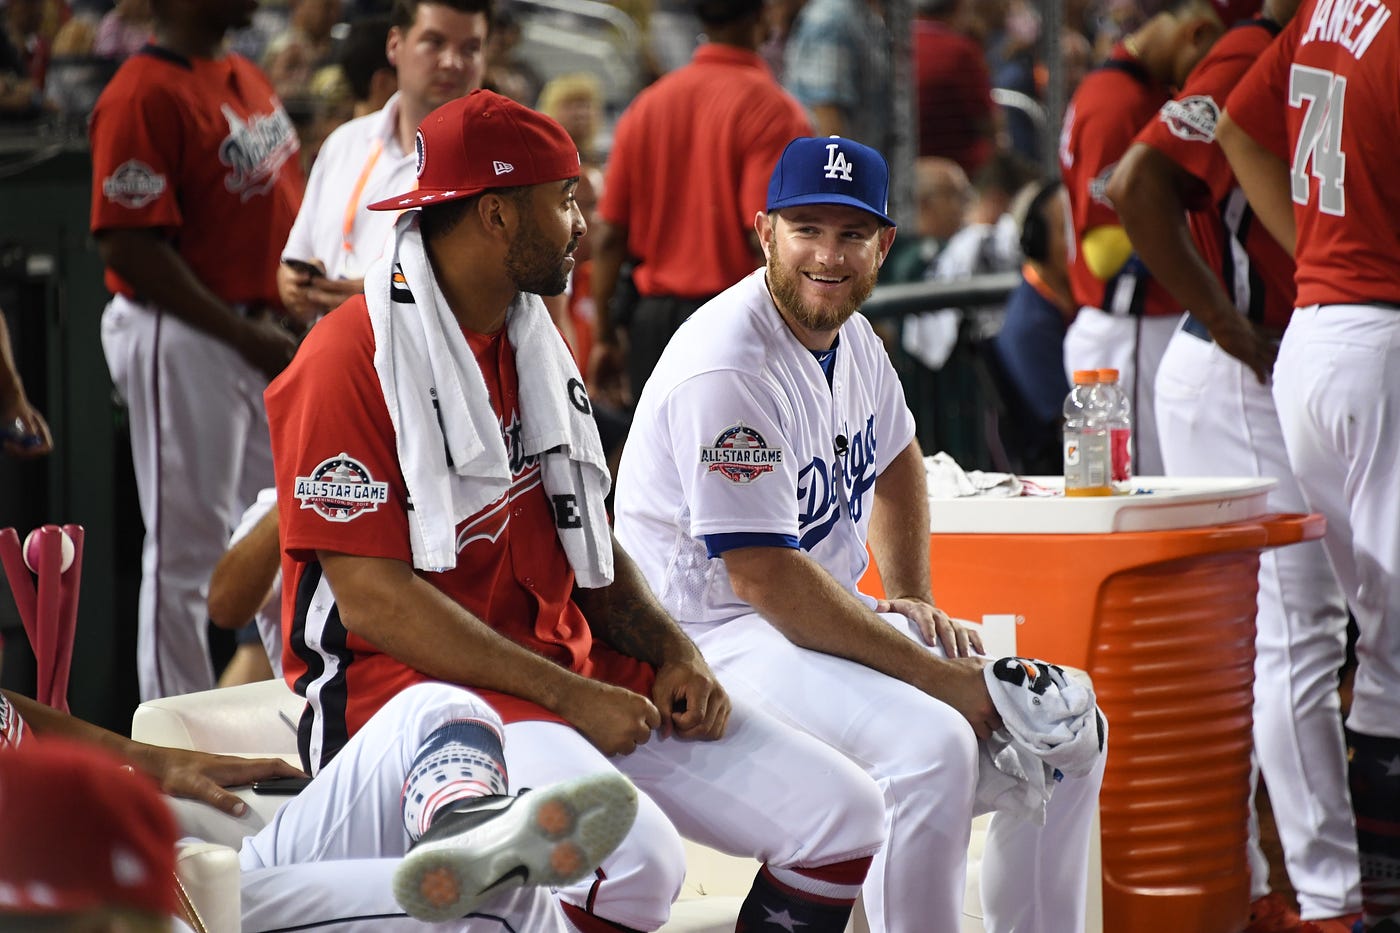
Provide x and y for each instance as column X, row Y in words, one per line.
column 785, row 284
column 533, row 265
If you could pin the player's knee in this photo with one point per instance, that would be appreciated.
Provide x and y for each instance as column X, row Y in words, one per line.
column 643, row 877
column 424, row 707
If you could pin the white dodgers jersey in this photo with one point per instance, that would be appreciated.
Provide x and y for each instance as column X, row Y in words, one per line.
column 740, row 440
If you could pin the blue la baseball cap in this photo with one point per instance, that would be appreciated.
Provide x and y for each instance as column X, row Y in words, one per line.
column 831, row 170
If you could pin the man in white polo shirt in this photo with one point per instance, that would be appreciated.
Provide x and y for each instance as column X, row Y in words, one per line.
column 438, row 49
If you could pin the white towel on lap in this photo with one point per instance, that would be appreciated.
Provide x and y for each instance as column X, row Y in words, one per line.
column 1050, row 723
column 449, row 443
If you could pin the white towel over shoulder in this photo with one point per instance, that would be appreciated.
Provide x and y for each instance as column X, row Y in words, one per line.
column 449, row 443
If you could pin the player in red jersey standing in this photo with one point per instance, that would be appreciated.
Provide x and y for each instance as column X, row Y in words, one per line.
column 1325, row 94
column 1125, row 317
column 195, row 185
column 1216, row 417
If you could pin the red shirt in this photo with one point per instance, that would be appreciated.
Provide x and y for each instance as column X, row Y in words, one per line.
column 1256, row 271
column 1110, row 105
column 1331, row 81
column 202, row 149
column 689, row 169
column 329, row 422
column 954, row 95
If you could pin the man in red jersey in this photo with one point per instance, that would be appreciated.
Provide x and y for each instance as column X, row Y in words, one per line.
column 1324, row 95
column 703, row 141
column 1125, row 317
column 440, row 483
column 195, row 183
column 1216, row 417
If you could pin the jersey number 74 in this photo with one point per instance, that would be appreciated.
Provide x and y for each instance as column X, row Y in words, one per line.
column 1322, row 95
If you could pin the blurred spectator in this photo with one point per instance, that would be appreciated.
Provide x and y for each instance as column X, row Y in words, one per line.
column 576, row 101
column 1029, row 348
column 722, row 117
column 366, row 67
column 957, row 119
column 943, row 194
column 506, row 72
column 124, row 30
column 324, row 106
column 1026, row 74
column 778, row 16
column 986, row 245
column 837, row 64
column 28, row 39
column 438, row 51
column 294, row 55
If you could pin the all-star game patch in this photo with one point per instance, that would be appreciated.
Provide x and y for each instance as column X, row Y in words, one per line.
column 340, row 489
column 1191, row 118
column 740, row 455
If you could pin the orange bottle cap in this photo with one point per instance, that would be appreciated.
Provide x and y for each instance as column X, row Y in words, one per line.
column 1086, row 377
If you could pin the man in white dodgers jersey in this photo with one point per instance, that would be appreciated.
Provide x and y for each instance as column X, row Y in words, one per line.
column 746, row 493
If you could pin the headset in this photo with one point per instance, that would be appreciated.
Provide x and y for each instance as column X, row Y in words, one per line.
column 1035, row 232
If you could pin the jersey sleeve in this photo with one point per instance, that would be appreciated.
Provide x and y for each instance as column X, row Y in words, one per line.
column 339, row 487
column 1184, row 129
column 1258, row 104
column 136, row 136
column 737, row 473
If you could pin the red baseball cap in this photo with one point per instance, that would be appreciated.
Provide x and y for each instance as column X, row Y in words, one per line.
column 484, row 141
column 79, row 832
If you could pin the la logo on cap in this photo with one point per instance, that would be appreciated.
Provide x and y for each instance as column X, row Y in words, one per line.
column 836, row 164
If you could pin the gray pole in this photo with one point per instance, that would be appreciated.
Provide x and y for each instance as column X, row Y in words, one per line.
column 904, row 118
column 1052, row 13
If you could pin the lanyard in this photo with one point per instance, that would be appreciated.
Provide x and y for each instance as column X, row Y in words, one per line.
column 353, row 205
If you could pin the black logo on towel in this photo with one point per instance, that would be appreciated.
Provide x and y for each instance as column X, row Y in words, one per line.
column 566, row 511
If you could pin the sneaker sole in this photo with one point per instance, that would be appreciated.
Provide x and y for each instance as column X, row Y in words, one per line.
column 552, row 836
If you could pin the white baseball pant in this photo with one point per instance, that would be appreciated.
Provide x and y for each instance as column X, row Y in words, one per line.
column 200, row 446
column 763, row 790
column 1133, row 346
column 1215, row 419
column 923, row 755
column 327, row 859
column 1337, row 387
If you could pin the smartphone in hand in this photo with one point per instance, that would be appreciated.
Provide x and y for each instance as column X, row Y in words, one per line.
column 283, row 786
column 301, row 265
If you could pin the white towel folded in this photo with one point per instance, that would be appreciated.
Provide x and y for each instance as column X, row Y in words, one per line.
column 448, row 437
column 1050, row 724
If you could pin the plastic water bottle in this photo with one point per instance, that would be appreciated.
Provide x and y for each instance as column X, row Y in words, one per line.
column 1119, row 408
column 1087, row 462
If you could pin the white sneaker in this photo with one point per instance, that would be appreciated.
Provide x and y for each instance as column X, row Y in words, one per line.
column 477, row 848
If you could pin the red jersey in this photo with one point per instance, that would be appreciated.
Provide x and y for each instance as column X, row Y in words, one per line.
column 1110, row 105
column 1331, row 81
column 330, row 424
column 202, row 149
column 697, row 148
column 1256, row 271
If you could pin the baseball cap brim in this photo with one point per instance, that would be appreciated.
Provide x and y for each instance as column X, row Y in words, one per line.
column 422, row 196
column 823, row 197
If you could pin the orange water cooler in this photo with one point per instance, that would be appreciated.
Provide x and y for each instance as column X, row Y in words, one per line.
column 1154, row 595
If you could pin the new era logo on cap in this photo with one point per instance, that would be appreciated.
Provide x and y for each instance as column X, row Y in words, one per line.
column 834, row 170
column 484, row 141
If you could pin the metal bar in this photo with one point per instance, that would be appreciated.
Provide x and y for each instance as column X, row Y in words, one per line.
column 895, row 301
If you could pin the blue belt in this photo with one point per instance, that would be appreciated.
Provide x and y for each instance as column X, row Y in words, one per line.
column 1196, row 329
